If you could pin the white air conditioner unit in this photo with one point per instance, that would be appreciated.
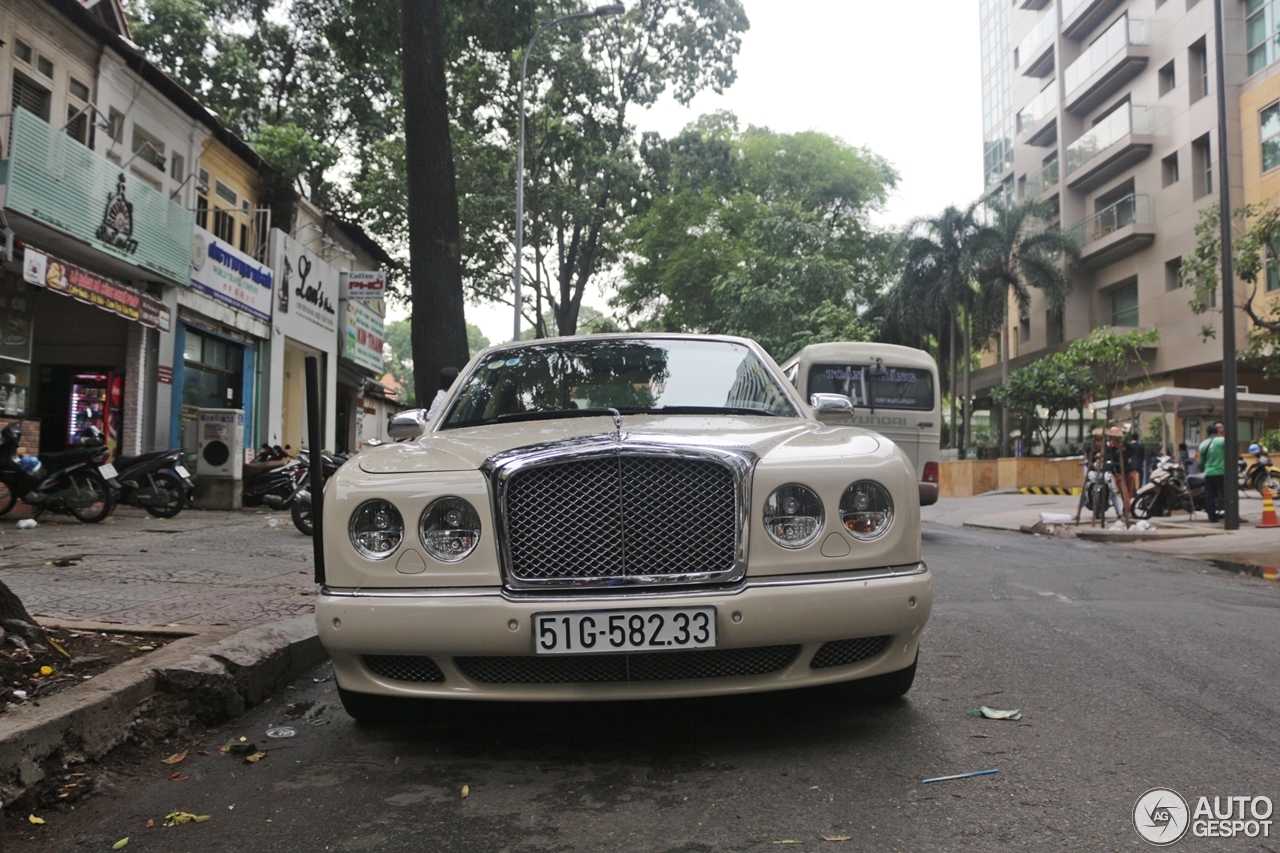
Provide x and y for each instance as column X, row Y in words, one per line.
column 220, row 443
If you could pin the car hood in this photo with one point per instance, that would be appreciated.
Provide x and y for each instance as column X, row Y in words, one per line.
column 783, row 439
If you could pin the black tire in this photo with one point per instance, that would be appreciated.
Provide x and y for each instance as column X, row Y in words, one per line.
column 891, row 685
column 1145, row 506
column 372, row 710
column 7, row 498
column 1266, row 480
column 102, row 506
column 175, row 492
column 1098, row 502
column 302, row 517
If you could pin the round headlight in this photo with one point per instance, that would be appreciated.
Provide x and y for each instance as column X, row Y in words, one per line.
column 376, row 529
column 450, row 529
column 793, row 516
column 866, row 510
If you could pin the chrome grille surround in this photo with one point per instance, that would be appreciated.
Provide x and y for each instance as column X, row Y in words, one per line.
column 646, row 500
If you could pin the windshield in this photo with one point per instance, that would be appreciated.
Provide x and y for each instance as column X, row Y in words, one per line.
column 581, row 377
column 892, row 388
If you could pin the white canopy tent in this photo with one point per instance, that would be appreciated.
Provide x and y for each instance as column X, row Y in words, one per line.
column 1189, row 403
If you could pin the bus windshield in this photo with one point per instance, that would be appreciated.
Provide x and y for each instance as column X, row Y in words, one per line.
column 886, row 387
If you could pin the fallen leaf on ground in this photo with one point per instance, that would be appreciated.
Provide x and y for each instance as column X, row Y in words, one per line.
column 787, row 841
column 178, row 777
column 143, row 649
column 836, row 837
column 150, row 823
column 255, row 758
column 176, row 758
column 121, row 844
column 466, row 791
column 175, row 818
column 978, row 735
column 38, row 821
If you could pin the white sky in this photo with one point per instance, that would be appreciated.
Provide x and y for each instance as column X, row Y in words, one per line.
column 899, row 78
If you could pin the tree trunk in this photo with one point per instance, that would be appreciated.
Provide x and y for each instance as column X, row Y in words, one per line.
column 952, row 329
column 11, row 607
column 439, row 329
column 968, row 388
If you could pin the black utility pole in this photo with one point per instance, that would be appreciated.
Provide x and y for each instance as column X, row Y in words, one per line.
column 1231, row 485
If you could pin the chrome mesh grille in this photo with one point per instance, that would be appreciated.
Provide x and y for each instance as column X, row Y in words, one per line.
column 405, row 668
column 649, row 666
column 615, row 517
column 845, row 652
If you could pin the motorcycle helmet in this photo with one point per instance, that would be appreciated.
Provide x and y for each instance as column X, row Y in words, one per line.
column 91, row 436
column 1255, row 449
column 12, row 433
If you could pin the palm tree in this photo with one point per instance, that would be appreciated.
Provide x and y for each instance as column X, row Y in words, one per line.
column 1019, row 249
column 936, row 283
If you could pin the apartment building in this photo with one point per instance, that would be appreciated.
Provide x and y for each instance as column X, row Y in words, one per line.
column 1107, row 111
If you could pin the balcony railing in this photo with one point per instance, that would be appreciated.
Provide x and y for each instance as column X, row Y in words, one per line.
column 1042, row 180
column 1069, row 6
column 1036, row 39
column 1130, row 210
column 1123, row 33
column 1124, row 121
column 1036, row 111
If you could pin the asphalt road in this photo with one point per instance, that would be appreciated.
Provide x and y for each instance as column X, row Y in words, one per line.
column 1133, row 671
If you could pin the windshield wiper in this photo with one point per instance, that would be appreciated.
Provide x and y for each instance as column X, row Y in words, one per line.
column 712, row 410
column 546, row 415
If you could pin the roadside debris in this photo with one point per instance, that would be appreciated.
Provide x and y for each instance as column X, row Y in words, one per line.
column 38, row 821
column 27, row 524
column 176, row 817
column 962, row 775
column 121, row 844
column 996, row 714
column 281, row 731
column 466, row 791
column 176, row 758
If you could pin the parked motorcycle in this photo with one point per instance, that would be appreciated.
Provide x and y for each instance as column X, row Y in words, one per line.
column 300, row 510
column 1261, row 474
column 77, row 481
column 155, row 481
column 272, row 478
column 1102, row 490
column 1168, row 488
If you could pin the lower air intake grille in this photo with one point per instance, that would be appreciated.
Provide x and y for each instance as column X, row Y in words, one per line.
column 660, row 666
column 405, row 668
column 845, row 652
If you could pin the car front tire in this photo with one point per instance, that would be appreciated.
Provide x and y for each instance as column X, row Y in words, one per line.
column 371, row 709
column 891, row 685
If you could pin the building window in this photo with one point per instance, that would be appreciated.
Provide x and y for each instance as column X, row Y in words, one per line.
column 1273, row 269
column 177, row 168
column 31, row 96
column 115, row 124
column 1055, row 327
column 78, row 124
column 1173, row 274
column 1198, row 59
column 22, row 50
column 1260, row 30
column 1270, row 122
column 44, row 66
column 224, row 226
column 213, row 371
column 1202, row 164
column 1168, row 79
column 225, row 193
column 78, row 89
column 202, row 211
column 1169, row 169
column 1124, row 304
column 148, row 147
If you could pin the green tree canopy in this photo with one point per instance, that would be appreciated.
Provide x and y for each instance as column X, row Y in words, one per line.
column 758, row 233
column 1044, row 391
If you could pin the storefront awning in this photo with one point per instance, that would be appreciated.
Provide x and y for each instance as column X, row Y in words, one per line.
column 1189, row 402
column 84, row 286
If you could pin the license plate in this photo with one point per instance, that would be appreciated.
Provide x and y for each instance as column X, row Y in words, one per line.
column 598, row 631
column 182, row 472
column 107, row 471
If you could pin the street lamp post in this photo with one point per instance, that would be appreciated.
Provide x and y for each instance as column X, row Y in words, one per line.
column 1231, row 450
column 517, row 276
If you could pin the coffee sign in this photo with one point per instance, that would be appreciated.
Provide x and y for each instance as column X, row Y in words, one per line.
column 366, row 285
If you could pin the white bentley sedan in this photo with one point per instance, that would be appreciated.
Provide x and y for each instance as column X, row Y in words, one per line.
column 622, row 517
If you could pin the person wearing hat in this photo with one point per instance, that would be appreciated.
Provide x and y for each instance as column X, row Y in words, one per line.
column 1096, row 460
column 1213, row 461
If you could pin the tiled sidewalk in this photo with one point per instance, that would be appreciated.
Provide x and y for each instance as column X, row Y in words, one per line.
column 200, row 568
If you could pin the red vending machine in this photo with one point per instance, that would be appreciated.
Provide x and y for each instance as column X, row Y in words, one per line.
column 97, row 399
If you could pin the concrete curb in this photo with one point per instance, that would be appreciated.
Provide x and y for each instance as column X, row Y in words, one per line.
column 217, row 672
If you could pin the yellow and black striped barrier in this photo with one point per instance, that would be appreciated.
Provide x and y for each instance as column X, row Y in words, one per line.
column 1050, row 490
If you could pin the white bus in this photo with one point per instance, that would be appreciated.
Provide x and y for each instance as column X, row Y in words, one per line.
column 894, row 391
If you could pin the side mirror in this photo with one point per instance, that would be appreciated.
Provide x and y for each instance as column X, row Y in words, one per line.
column 831, row 404
column 410, row 424
column 373, row 442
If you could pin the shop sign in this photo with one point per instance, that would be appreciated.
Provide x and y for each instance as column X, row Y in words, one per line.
column 54, row 179
column 362, row 342
column 306, row 306
column 229, row 275
column 363, row 284
column 15, row 319
column 164, row 375
column 92, row 289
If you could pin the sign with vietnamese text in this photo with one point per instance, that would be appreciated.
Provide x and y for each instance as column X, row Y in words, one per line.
column 362, row 341
column 229, row 275
column 363, row 284
column 92, row 289
column 306, row 304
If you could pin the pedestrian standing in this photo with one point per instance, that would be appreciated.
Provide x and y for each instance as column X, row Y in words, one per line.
column 447, row 377
column 1213, row 461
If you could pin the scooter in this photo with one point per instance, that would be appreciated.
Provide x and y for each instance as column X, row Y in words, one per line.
column 155, row 481
column 1168, row 488
column 77, row 482
column 271, row 479
column 1261, row 474
column 300, row 510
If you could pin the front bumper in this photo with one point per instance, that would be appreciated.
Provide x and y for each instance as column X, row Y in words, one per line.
column 805, row 610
